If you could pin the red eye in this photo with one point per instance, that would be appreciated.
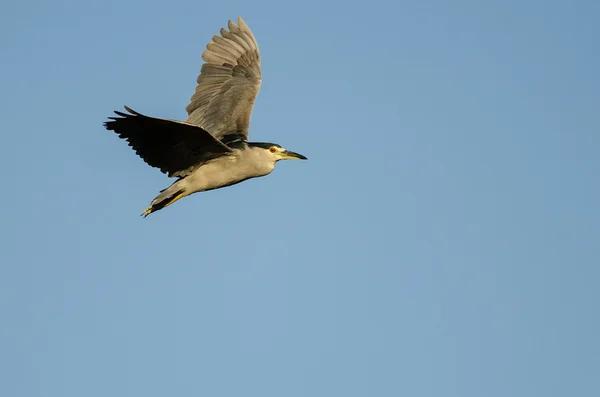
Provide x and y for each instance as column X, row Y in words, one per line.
column 272, row 149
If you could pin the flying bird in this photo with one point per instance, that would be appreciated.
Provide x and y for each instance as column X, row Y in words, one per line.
column 210, row 149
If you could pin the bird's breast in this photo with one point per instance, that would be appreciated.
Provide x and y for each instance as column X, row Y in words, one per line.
column 225, row 171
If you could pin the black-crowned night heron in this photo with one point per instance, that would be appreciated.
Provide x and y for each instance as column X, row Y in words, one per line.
column 210, row 149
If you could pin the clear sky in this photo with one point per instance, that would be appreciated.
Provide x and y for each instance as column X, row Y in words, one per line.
column 442, row 239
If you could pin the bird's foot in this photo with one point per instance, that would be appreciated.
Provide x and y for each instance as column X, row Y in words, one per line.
column 147, row 211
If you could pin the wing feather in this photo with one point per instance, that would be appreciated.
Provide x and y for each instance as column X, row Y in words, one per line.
column 177, row 148
column 228, row 84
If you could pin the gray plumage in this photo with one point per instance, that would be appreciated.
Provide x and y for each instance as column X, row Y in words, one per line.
column 210, row 149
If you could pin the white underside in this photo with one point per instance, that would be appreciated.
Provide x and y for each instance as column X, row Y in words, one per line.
column 227, row 170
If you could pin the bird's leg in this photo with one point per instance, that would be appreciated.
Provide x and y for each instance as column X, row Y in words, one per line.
column 177, row 197
column 165, row 203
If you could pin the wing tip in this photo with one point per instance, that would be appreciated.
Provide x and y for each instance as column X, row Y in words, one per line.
column 233, row 28
column 242, row 24
column 112, row 122
column 130, row 110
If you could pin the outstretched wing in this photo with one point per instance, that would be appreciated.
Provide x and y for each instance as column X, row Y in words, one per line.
column 177, row 148
column 228, row 83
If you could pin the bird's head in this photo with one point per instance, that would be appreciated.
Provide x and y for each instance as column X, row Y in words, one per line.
column 275, row 152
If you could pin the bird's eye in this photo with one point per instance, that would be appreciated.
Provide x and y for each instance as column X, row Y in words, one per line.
column 272, row 149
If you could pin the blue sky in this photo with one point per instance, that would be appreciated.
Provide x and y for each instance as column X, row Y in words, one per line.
column 442, row 239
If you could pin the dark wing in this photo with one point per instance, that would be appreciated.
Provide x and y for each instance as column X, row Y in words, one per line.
column 175, row 147
column 228, row 83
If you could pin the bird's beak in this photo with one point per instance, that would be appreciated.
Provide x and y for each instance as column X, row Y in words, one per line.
column 287, row 155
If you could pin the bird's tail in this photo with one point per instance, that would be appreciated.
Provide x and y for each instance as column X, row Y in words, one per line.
column 166, row 197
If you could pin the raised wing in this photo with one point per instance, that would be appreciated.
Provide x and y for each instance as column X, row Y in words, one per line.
column 177, row 148
column 228, row 83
